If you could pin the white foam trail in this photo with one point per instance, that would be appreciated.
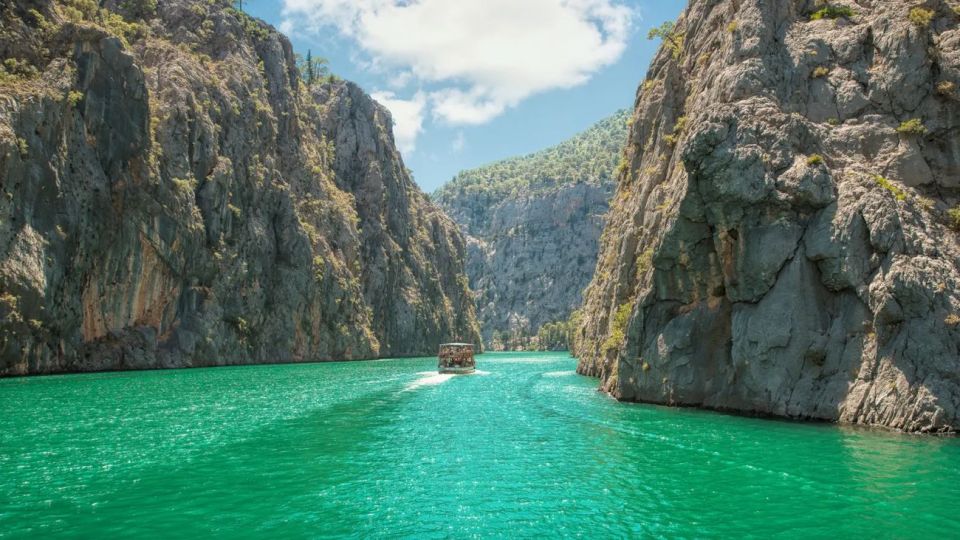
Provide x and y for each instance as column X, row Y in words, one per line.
column 429, row 373
column 525, row 360
column 432, row 380
column 560, row 373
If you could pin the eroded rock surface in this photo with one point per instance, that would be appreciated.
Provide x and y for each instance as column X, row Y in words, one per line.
column 777, row 245
column 532, row 225
column 174, row 195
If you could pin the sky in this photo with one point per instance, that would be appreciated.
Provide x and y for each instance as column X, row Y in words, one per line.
column 469, row 82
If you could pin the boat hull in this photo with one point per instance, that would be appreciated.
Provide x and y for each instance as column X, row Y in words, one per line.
column 457, row 370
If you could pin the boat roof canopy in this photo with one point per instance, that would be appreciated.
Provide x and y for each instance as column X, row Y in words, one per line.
column 456, row 344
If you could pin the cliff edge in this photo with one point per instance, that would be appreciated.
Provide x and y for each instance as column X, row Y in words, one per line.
column 784, row 239
column 173, row 194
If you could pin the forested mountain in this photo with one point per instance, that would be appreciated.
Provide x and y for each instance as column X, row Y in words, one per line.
column 532, row 225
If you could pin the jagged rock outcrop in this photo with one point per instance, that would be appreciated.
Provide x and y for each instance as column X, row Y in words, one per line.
column 781, row 242
column 174, row 195
column 532, row 225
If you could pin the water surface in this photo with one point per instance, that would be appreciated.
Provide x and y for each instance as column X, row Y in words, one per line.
column 389, row 448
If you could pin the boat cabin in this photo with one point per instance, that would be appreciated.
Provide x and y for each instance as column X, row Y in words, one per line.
column 456, row 358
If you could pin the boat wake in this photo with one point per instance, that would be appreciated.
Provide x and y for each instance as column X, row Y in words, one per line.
column 566, row 373
column 432, row 378
column 429, row 378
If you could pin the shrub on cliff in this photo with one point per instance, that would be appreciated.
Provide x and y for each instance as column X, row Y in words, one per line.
column 619, row 327
column 914, row 126
column 669, row 34
column 921, row 17
column 894, row 190
column 831, row 12
column 953, row 215
column 140, row 9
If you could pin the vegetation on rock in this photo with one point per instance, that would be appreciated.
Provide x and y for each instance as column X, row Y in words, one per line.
column 831, row 12
column 888, row 185
column 921, row 17
column 914, row 127
column 532, row 224
column 782, row 286
column 670, row 35
column 199, row 206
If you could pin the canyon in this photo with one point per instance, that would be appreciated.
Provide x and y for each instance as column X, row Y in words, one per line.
column 532, row 225
column 771, row 230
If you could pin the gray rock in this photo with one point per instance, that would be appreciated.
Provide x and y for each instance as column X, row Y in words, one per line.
column 777, row 283
column 183, row 199
column 532, row 225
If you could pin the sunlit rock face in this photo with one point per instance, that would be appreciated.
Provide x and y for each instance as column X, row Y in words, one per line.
column 174, row 195
column 781, row 241
column 533, row 226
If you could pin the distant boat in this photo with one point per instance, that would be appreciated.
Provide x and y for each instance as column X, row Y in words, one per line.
column 456, row 358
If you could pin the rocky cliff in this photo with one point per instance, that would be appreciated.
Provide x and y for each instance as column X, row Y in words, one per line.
column 532, row 225
column 784, row 239
column 174, row 195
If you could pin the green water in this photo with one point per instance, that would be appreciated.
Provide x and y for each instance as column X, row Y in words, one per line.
column 387, row 449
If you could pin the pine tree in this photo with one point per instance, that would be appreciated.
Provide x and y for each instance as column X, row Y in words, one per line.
column 310, row 73
column 312, row 68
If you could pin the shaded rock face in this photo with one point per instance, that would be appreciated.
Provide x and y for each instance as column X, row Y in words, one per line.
column 530, row 263
column 532, row 225
column 776, row 245
column 174, row 196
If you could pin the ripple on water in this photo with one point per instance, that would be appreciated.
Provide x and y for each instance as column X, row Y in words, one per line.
column 529, row 449
column 564, row 373
column 430, row 380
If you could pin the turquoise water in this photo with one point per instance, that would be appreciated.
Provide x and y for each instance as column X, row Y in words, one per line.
column 386, row 449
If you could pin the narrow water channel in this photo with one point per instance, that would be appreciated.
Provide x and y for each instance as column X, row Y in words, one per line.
column 391, row 448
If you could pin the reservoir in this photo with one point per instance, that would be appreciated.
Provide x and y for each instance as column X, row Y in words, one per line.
column 524, row 447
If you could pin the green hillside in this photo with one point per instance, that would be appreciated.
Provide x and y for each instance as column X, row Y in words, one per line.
column 589, row 156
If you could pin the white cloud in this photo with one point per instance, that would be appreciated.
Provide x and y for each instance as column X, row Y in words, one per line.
column 458, row 107
column 400, row 80
column 480, row 57
column 407, row 117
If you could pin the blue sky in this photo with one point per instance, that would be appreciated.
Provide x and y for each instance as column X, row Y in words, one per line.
column 474, row 81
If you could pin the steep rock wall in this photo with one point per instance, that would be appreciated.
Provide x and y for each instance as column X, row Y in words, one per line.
column 174, row 195
column 532, row 225
column 781, row 242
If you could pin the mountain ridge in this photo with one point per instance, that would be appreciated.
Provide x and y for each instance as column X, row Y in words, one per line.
column 532, row 224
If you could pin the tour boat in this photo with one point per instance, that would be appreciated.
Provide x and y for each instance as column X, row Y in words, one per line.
column 456, row 358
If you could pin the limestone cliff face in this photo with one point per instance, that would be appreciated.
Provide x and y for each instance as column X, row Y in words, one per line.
column 414, row 255
column 781, row 243
column 174, row 195
column 532, row 225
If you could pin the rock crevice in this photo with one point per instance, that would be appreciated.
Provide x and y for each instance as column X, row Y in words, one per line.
column 174, row 195
column 781, row 242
